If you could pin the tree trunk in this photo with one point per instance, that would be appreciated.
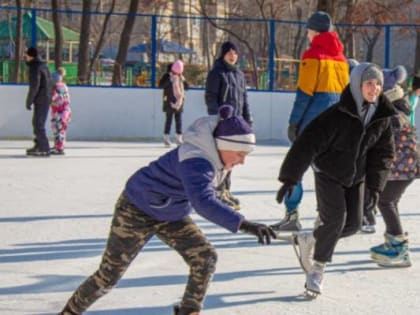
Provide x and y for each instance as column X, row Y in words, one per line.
column 101, row 39
column 83, row 62
column 19, row 42
column 58, row 48
column 117, row 76
column 326, row 6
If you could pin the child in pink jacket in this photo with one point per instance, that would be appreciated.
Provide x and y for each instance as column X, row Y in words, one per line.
column 60, row 111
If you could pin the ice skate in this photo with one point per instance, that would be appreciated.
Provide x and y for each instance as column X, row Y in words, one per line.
column 178, row 139
column 368, row 224
column 290, row 223
column 303, row 245
column 167, row 140
column 313, row 284
column 227, row 198
column 393, row 253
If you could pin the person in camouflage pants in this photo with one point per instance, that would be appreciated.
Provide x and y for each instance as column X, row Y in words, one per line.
column 131, row 229
column 158, row 199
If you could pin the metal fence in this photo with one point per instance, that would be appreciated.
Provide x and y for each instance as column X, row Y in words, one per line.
column 269, row 50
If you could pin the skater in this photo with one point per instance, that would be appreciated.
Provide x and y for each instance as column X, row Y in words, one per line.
column 174, row 85
column 405, row 167
column 61, row 112
column 349, row 145
column 158, row 199
column 323, row 74
column 393, row 78
column 413, row 97
column 226, row 84
column 39, row 96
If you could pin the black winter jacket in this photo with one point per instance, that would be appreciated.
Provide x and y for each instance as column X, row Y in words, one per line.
column 227, row 86
column 40, row 85
column 168, row 93
column 337, row 145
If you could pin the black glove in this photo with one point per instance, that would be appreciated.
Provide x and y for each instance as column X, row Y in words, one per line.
column 372, row 201
column 292, row 132
column 263, row 232
column 286, row 188
column 29, row 106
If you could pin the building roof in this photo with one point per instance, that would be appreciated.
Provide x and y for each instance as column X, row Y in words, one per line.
column 45, row 29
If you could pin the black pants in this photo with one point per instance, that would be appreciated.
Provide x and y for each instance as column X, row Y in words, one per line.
column 178, row 122
column 340, row 210
column 39, row 119
column 388, row 205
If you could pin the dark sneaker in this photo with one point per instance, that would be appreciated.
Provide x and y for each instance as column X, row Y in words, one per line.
column 56, row 151
column 185, row 311
column 37, row 152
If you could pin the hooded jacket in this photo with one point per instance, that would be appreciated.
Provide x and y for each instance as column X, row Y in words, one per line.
column 40, row 84
column 227, row 85
column 323, row 74
column 338, row 145
column 184, row 179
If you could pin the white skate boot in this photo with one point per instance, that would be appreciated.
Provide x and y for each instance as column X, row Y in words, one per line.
column 178, row 139
column 167, row 140
column 303, row 244
column 313, row 285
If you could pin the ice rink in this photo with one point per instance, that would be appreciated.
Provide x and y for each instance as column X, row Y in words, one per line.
column 54, row 218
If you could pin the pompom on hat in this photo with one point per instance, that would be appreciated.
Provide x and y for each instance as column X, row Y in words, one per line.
column 226, row 47
column 177, row 67
column 394, row 76
column 319, row 21
column 233, row 133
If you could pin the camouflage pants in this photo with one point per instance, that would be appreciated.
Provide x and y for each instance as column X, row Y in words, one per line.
column 131, row 229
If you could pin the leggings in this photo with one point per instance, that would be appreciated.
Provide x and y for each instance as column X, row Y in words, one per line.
column 131, row 229
column 168, row 122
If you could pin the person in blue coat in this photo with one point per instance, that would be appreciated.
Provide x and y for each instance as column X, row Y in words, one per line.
column 158, row 199
column 226, row 84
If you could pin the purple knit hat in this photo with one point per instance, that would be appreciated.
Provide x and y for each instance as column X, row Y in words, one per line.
column 394, row 76
column 233, row 133
column 226, row 47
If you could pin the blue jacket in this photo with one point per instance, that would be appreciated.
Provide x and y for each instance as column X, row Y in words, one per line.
column 227, row 86
column 169, row 188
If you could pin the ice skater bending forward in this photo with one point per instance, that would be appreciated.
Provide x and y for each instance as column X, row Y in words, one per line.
column 158, row 199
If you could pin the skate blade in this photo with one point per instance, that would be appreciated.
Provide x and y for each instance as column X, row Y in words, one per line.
column 311, row 295
column 383, row 262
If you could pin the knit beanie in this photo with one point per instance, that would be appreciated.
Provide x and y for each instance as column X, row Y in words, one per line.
column 226, row 47
column 233, row 133
column 372, row 72
column 177, row 67
column 395, row 76
column 416, row 81
column 32, row 52
column 319, row 21
column 56, row 77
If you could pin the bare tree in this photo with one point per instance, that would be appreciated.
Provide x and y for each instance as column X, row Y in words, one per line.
column 83, row 63
column 58, row 47
column 417, row 53
column 117, row 75
column 101, row 39
column 19, row 42
column 326, row 6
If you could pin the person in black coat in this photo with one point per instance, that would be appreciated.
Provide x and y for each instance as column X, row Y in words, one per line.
column 39, row 95
column 226, row 84
column 174, row 85
column 349, row 145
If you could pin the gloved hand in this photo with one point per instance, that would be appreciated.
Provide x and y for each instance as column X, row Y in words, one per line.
column 371, row 203
column 286, row 188
column 292, row 132
column 263, row 232
column 29, row 106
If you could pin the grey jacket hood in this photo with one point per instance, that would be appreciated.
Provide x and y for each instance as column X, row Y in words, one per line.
column 356, row 88
column 200, row 143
